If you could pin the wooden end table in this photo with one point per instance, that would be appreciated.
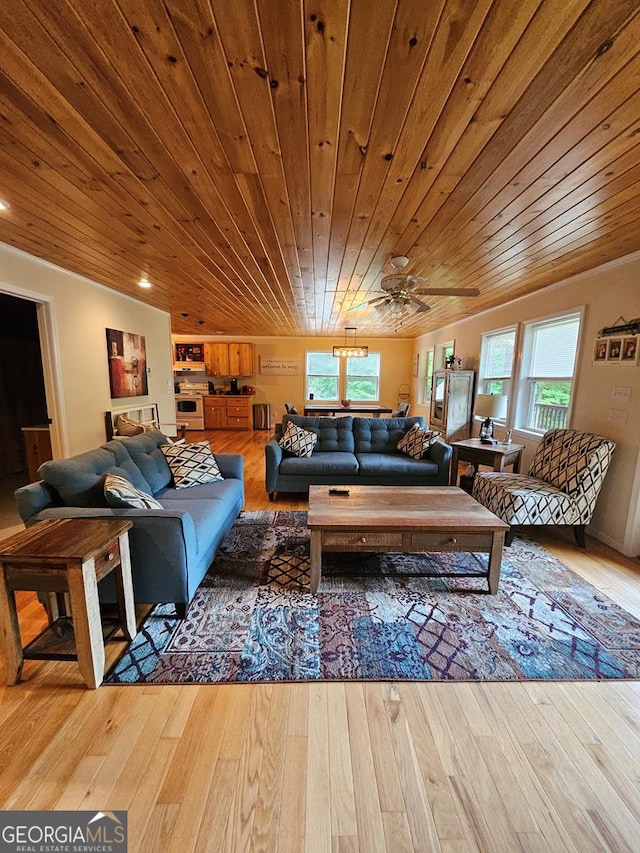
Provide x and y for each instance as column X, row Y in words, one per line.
column 497, row 456
column 65, row 556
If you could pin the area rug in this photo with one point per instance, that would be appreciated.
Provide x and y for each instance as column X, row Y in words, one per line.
column 377, row 617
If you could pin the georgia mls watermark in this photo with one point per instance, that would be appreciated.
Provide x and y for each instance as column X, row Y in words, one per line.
column 63, row 832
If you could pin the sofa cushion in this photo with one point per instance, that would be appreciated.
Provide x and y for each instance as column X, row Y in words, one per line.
column 191, row 464
column 381, row 435
column 79, row 480
column 394, row 465
column 119, row 492
column 145, row 451
column 417, row 441
column 327, row 464
column 127, row 465
column 333, row 433
column 298, row 441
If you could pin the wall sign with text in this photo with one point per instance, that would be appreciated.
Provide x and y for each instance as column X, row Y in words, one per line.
column 272, row 366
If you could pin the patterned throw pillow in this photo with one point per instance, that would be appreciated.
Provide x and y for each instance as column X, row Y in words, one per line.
column 119, row 492
column 298, row 441
column 416, row 441
column 191, row 464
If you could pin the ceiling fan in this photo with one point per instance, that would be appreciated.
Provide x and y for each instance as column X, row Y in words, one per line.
column 401, row 291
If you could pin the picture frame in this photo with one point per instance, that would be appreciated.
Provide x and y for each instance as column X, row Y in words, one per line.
column 614, row 348
column 600, row 350
column 629, row 350
column 127, row 360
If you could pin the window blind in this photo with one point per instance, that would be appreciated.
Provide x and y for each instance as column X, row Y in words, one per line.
column 554, row 345
column 497, row 350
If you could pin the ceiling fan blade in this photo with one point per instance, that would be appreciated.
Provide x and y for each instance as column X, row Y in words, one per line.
column 420, row 306
column 448, row 291
column 367, row 303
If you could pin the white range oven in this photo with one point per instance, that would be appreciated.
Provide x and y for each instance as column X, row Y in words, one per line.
column 190, row 404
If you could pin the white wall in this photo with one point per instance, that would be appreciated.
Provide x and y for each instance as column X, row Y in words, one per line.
column 78, row 312
column 607, row 292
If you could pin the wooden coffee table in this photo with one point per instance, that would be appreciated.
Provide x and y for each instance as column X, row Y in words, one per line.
column 399, row 519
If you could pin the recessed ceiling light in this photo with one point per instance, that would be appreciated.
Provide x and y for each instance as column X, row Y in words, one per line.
column 144, row 283
column 3, row 205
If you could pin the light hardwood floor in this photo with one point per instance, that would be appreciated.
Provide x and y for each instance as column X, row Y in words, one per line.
column 336, row 767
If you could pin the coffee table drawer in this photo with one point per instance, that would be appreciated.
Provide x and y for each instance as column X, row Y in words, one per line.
column 458, row 541
column 356, row 540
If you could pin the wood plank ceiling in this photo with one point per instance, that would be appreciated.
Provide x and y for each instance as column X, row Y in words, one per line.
column 260, row 160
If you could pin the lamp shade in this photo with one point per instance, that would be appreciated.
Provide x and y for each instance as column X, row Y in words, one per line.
column 492, row 406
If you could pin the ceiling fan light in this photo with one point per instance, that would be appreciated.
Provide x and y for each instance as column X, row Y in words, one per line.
column 396, row 308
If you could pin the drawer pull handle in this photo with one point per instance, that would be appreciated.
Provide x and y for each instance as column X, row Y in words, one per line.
column 363, row 540
column 453, row 541
column 110, row 556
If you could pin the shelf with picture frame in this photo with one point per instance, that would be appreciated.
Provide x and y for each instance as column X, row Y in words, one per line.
column 617, row 349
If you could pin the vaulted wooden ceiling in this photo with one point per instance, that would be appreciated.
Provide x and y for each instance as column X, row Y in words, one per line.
column 260, row 160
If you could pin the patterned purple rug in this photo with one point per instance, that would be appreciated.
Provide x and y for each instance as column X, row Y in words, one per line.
column 253, row 619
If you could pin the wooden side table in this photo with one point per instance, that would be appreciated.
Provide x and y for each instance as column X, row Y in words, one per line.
column 65, row 556
column 497, row 456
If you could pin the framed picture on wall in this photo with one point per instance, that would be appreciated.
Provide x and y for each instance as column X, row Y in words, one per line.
column 614, row 349
column 127, row 359
column 600, row 350
column 629, row 352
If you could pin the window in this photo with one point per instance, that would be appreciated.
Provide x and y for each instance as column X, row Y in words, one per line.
column 546, row 378
column 540, row 388
column 363, row 378
column 322, row 376
column 496, row 362
column 333, row 379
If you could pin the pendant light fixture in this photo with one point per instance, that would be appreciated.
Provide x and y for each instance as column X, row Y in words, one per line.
column 352, row 350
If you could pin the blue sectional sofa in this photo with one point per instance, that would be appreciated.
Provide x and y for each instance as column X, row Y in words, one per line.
column 171, row 548
column 353, row 451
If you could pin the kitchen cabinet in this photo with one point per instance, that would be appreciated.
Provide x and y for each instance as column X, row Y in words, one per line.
column 227, row 412
column 215, row 413
column 452, row 403
column 216, row 359
column 229, row 359
column 188, row 357
column 241, row 359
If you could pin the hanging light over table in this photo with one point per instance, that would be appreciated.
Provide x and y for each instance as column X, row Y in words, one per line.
column 352, row 350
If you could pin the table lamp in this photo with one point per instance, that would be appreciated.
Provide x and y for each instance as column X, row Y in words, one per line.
column 489, row 407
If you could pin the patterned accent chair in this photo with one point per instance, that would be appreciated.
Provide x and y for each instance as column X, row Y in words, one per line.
column 562, row 485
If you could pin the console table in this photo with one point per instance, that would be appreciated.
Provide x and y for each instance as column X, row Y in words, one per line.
column 59, row 556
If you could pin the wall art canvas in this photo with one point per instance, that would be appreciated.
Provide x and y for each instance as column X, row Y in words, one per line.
column 127, row 358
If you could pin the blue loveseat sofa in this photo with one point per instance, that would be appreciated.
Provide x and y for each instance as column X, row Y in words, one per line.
column 353, row 451
column 171, row 548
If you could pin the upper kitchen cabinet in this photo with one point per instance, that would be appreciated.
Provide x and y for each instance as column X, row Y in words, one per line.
column 241, row 360
column 188, row 357
column 229, row 359
column 216, row 359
